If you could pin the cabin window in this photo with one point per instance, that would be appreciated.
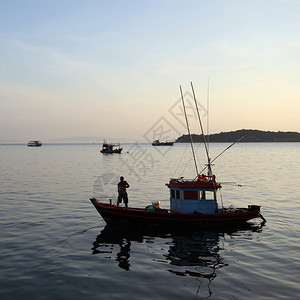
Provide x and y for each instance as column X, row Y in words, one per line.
column 172, row 193
column 190, row 195
column 177, row 194
column 206, row 195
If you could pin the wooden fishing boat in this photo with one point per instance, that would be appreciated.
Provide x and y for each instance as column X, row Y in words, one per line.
column 193, row 202
column 161, row 143
column 34, row 144
column 110, row 148
column 162, row 218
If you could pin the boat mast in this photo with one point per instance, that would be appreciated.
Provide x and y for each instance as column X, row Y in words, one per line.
column 206, row 149
column 188, row 128
column 203, row 135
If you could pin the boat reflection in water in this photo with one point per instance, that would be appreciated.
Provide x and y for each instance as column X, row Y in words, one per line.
column 197, row 249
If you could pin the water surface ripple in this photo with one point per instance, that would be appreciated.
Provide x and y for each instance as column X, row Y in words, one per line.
column 54, row 245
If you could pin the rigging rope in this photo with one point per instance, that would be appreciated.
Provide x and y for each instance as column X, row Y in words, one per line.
column 180, row 160
column 189, row 161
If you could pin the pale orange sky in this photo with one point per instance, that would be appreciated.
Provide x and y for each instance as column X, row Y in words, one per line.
column 113, row 69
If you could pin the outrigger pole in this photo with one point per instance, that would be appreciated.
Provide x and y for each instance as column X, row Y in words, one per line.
column 224, row 151
column 203, row 135
column 188, row 128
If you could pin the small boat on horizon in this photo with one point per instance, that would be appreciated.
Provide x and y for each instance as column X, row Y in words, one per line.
column 160, row 143
column 110, row 148
column 193, row 202
column 34, row 144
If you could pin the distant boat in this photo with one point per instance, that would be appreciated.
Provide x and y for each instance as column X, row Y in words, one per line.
column 160, row 143
column 109, row 148
column 34, row 144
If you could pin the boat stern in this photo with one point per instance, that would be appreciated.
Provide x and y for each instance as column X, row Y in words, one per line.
column 254, row 208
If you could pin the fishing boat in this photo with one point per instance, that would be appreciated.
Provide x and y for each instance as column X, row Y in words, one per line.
column 193, row 202
column 160, row 143
column 163, row 218
column 34, row 144
column 110, row 148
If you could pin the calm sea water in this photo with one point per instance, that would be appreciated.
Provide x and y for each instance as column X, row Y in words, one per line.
column 54, row 244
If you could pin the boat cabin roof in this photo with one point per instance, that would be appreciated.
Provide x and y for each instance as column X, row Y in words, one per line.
column 181, row 183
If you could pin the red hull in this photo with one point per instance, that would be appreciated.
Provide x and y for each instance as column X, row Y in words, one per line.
column 113, row 214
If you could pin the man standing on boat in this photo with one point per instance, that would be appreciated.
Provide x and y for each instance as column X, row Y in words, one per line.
column 122, row 186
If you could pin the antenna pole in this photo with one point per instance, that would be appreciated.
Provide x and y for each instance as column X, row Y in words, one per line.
column 203, row 135
column 188, row 128
column 207, row 106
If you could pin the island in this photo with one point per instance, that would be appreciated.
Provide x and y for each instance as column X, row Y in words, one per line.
column 249, row 135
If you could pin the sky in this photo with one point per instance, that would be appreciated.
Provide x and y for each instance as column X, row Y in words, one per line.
column 112, row 69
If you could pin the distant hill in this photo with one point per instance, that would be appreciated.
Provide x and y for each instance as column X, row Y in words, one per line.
column 251, row 136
